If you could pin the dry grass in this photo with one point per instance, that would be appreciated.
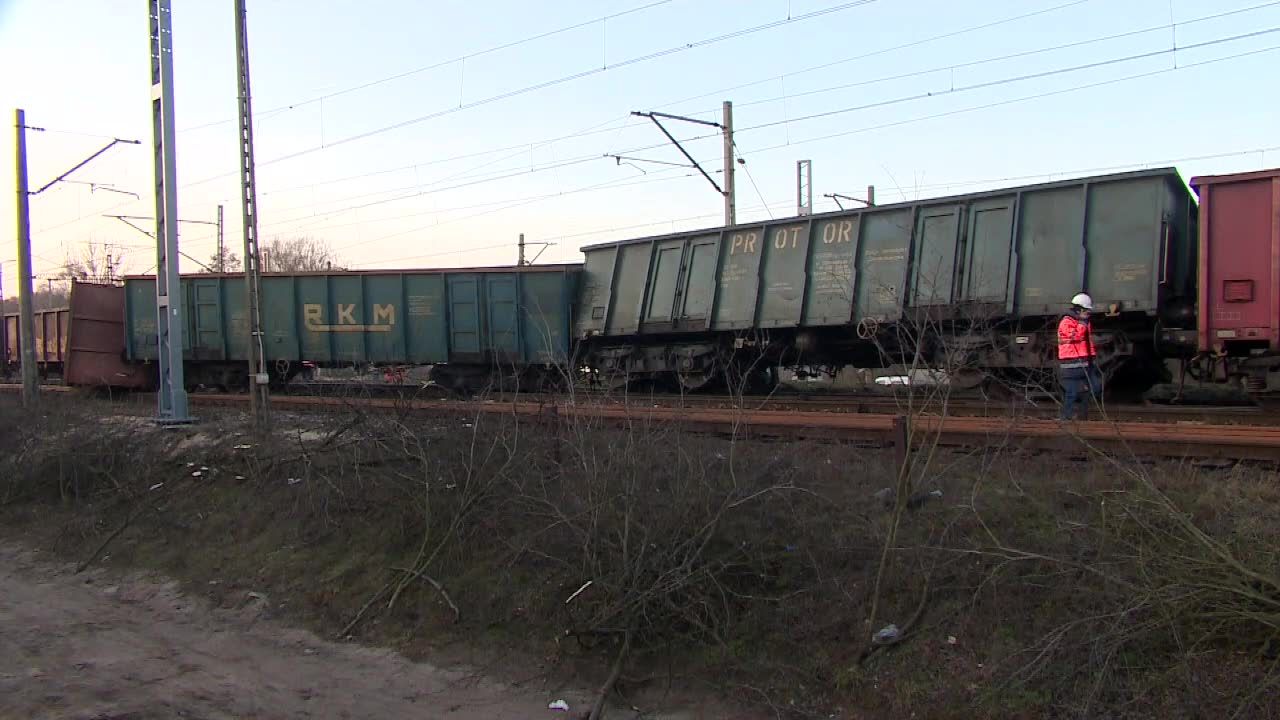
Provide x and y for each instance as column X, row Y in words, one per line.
column 1032, row 588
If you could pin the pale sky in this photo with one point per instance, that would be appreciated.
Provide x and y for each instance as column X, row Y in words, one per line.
column 432, row 168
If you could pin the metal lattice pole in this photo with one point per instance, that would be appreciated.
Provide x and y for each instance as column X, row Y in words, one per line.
column 172, row 395
column 259, row 397
column 804, row 187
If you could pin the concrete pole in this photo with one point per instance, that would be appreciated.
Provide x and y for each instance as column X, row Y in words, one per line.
column 730, row 210
column 259, row 380
column 4, row 329
column 26, row 311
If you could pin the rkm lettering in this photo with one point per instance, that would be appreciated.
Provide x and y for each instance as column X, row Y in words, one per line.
column 744, row 242
column 384, row 317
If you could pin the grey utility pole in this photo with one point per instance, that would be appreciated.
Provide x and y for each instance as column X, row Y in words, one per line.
column 172, row 395
column 4, row 328
column 726, row 131
column 259, row 398
column 730, row 202
column 26, row 312
column 520, row 256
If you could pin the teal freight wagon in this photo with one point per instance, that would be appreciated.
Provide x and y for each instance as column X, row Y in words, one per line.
column 470, row 324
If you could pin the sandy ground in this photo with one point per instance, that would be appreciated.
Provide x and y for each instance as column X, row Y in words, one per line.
column 105, row 646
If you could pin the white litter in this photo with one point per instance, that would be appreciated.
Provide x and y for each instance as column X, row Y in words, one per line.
column 294, row 481
column 241, row 447
column 197, row 473
column 157, row 486
column 887, row 634
column 559, row 705
column 239, row 477
column 578, row 592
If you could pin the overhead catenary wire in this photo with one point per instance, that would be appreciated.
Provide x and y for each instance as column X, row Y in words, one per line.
column 410, row 231
column 882, row 51
column 1010, row 56
column 521, row 147
column 747, row 170
column 1016, row 78
column 553, row 82
column 488, row 203
column 931, row 116
column 589, row 132
column 1024, row 98
column 988, row 181
column 915, row 43
column 558, row 237
column 765, row 205
column 435, row 65
column 466, row 174
column 976, row 63
column 884, row 103
column 418, row 190
column 984, row 106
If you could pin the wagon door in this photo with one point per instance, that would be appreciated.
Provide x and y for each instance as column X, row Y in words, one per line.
column 503, row 317
column 464, row 319
column 986, row 274
column 664, row 284
column 937, row 236
column 699, row 283
column 206, row 320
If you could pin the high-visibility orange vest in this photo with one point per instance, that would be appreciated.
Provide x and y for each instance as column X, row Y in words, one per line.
column 1075, row 343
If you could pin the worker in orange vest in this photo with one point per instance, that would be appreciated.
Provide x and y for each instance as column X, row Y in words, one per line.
column 1081, row 378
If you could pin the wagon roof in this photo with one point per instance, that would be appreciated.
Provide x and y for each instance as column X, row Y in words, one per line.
column 556, row 267
column 1199, row 180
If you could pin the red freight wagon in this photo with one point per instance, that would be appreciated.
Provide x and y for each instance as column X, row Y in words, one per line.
column 51, row 340
column 1239, row 269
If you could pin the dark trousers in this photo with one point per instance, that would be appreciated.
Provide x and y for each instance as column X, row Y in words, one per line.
column 1078, row 385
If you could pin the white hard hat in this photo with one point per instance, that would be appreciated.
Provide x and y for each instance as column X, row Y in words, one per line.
column 1083, row 301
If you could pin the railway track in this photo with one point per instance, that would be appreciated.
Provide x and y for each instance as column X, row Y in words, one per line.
column 1168, row 438
column 883, row 403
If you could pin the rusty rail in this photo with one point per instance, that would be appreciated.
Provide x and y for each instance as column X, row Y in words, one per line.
column 1159, row 439
column 1163, row 439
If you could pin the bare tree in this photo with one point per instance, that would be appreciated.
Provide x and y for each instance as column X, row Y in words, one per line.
column 95, row 263
column 298, row 254
column 225, row 262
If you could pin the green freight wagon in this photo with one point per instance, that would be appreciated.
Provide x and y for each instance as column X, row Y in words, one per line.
column 987, row 273
column 471, row 325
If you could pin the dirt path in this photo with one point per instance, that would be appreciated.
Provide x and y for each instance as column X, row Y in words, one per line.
column 106, row 647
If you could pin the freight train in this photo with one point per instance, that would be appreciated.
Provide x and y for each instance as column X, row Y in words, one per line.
column 971, row 284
